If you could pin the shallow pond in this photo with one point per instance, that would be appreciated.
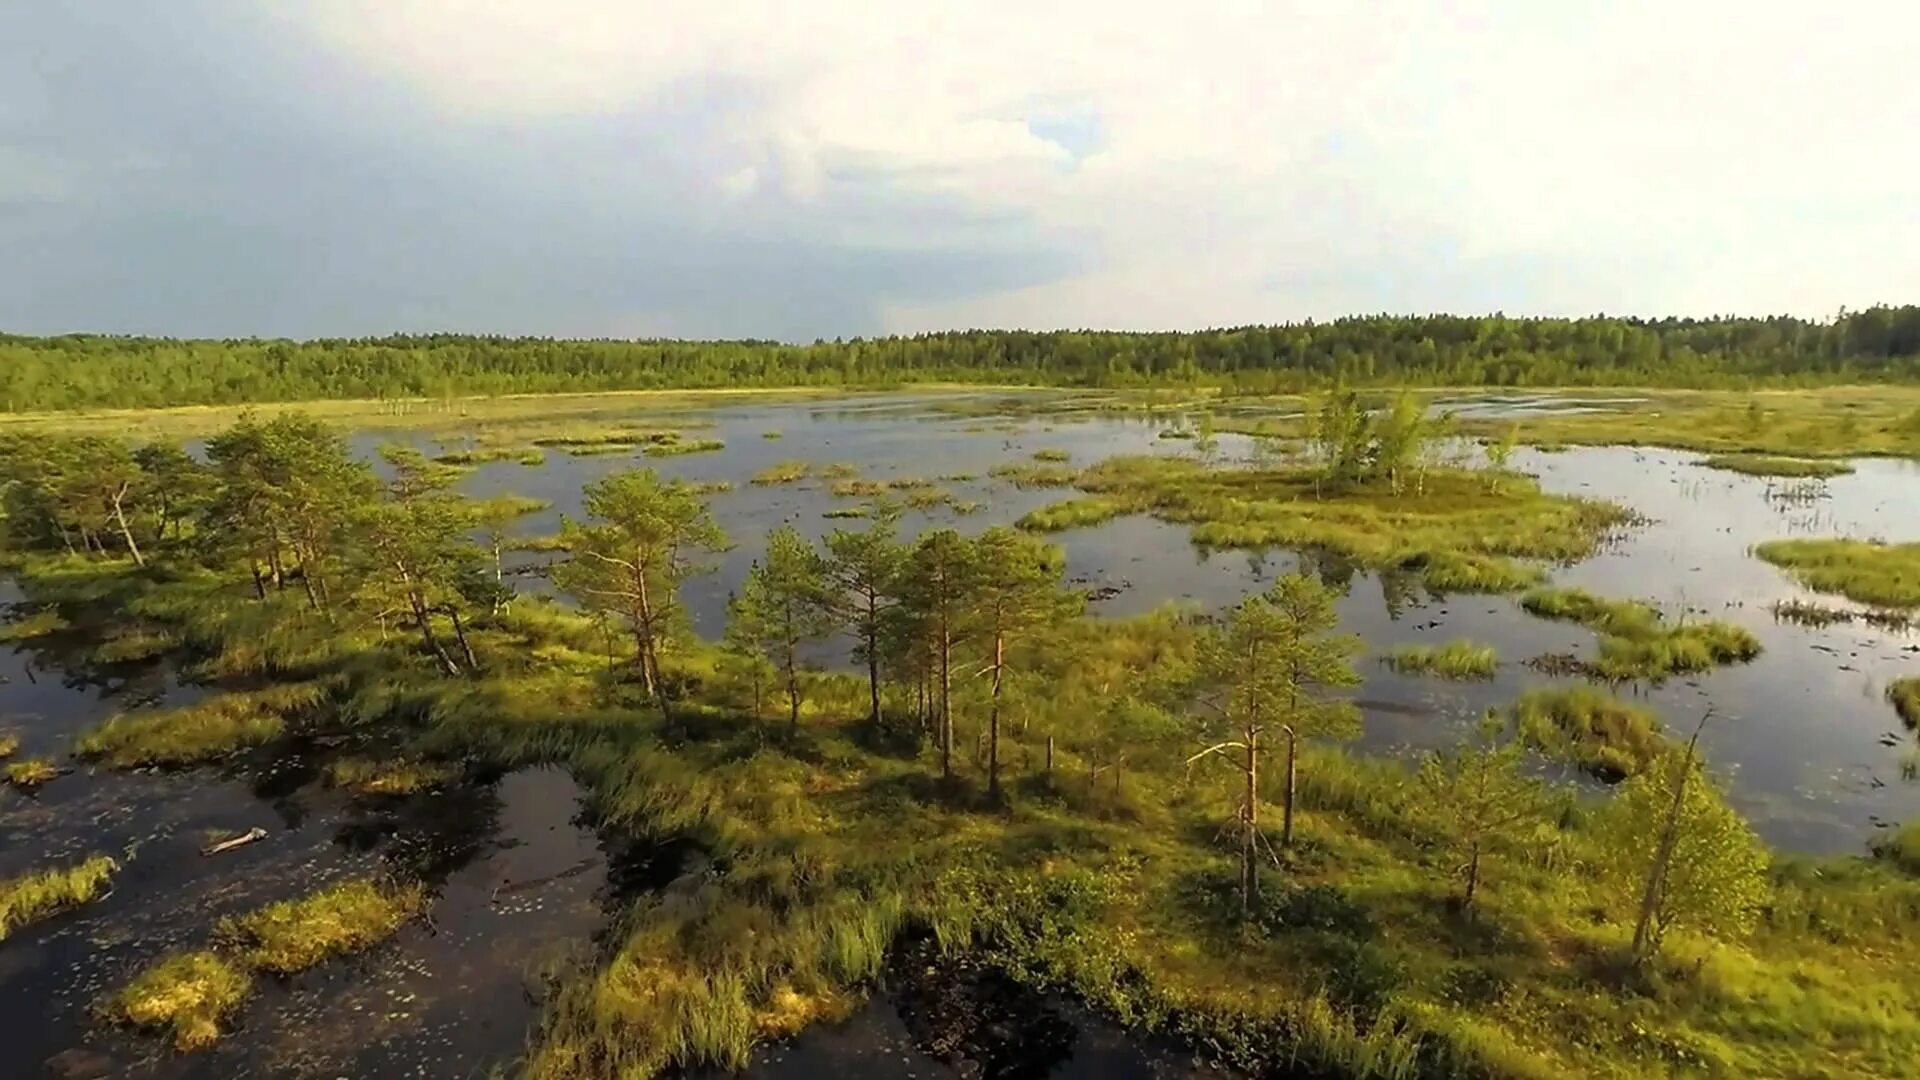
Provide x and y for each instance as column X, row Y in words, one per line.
column 1809, row 747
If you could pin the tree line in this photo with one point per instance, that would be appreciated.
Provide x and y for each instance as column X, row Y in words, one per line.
column 91, row 370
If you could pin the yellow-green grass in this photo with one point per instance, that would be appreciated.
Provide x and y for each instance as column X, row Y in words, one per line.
column 679, row 447
column 370, row 777
column 1074, row 513
column 783, row 472
column 9, row 744
column 862, row 488
column 186, row 993
column 204, row 731
column 1774, row 465
column 40, row 894
column 1904, row 696
column 43, row 623
column 1635, row 643
column 506, row 506
column 1460, row 659
column 860, row 511
column 1865, row 571
column 528, row 455
column 293, row 935
column 29, row 773
column 1902, row 847
column 1594, row 730
column 1052, row 455
column 1035, row 475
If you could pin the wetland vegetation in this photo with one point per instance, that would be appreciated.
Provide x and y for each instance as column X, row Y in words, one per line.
column 902, row 735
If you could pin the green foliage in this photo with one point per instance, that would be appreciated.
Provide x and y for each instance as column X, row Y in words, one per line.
column 1772, row 465
column 370, row 777
column 1860, row 570
column 1483, row 804
column 1594, row 730
column 30, row 897
column 1634, row 641
column 1716, row 882
column 784, row 472
column 9, row 744
column 1901, row 847
column 1073, row 514
column 1453, row 660
column 787, row 597
column 188, row 993
column 29, row 773
column 1904, row 696
column 293, row 935
column 1024, row 476
column 204, row 731
column 1050, row 455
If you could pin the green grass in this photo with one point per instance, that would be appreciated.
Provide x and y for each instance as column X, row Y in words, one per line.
column 29, row 773
column 1454, row 660
column 773, row 433
column 186, row 993
column 848, row 512
column 1593, row 730
column 1037, row 475
column 204, row 731
column 370, row 777
column 294, row 935
column 1055, row 456
column 1902, row 847
column 1772, row 465
column 1453, row 572
column 508, row 506
column 9, row 744
column 1073, row 514
column 678, row 448
column 481, row 456
column 783, row 472
column 1636, row 643
column 1904, row 696
column 31, row 897
column 43, row 623
column 1865, row 571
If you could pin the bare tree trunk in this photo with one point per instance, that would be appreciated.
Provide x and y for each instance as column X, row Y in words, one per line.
column 993, row 719
column 1293, row 774
column 1473, row 873
column 946, row 702
column 460, row 632
column 1645, row 935
column 1049, row 761
column 793, row 690
column 1250, row 825
column 126, row 531
column 259, row 582
column 425, row 619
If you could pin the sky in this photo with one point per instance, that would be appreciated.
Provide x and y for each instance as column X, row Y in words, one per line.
column 834, row 168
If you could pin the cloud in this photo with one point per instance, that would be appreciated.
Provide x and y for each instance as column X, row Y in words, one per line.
column 837, row 167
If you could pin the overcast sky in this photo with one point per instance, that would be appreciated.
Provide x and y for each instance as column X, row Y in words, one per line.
column 832, row 168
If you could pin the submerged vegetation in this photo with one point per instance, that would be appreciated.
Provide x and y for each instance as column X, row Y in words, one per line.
column 34, row 896
column 1865, row 571
column 1151, row 814
column 1453, row 660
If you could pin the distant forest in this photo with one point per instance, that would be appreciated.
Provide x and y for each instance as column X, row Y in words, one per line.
column 92, row 371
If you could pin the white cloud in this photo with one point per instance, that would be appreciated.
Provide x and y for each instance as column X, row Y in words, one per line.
column 1261, row 160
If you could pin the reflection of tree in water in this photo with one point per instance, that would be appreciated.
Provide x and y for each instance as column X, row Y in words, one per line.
column 426, row 837
column 977, row 1019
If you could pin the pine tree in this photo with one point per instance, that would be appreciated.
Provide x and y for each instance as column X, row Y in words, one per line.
column 1016, row 593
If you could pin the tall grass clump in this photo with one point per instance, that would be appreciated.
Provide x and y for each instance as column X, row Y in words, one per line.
column 1904, row 696
column 1772, row 465
column 1635, row 643
column 188, row 993
column 9, row 744
column 1596, row 731
column 370, row 777
column 1452, row 571
column 1038, row 475
column 1865, row 571
column 783, row 472
column 294, row 935
column 1901, row 847
column 1454, row 660
column 204, row 731
column 31, row 897
column 1073, row 514
column 677, row 448
column 29, row 773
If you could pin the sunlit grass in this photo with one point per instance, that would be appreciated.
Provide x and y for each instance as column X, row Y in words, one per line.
column 31, row 897
column 206, row 730
column 1772, row 465
column 29, row 773
column 1636, row 643
column 1864, row 571
column 1594, row 730
column 294, row 935
column 1453, row 660
column 783, row 472
column 187, row 993
column 370, row 777
column 1904, row 696
column 1073, row 514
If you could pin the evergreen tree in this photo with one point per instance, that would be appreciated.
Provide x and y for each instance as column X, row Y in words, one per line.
column 864, row 568
column 786, row 598
column 1015, row 593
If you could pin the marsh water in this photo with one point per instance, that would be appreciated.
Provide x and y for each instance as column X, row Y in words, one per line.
column 1806, row 743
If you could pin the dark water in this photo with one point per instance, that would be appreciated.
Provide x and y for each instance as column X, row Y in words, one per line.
column 1803, row 737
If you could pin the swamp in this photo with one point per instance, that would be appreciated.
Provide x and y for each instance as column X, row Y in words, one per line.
column 965, row 732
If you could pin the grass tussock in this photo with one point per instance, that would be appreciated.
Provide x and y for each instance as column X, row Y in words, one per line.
column 370, row 777
column 1904, row 696
column 1864, row 571
column 1636, row 643
column 31, row 897
column 1596, row 731
column 204, row 731
column 1073, row 514
column 186, row 993
column 679, row 447
column 1053, row 456
column 9, row 744
column 1453, row 572
column 1773, row 465
column 1901, row 847
column 294, row 935
column 1036, row 475
column 483, row 455
column 783, row 472
column 29, row 773
column 1453, row 660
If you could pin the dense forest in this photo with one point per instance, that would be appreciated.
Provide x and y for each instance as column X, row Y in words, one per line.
column 91, row 371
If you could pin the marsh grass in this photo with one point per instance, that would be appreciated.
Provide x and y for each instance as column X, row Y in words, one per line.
column 1601, row 734
column 31, row 897
column 1803, row 613
column 9, row 744
column 1036, row 475
column 1453, row 572
column 1901, row 847
column 1635, row 643
column 529, row 455
column 1074, row 514
column 1772, row 465
column 783, row 472
column 204, row 731
column 1865, row 571
column 678, row 448
column 848, row 512
column 1904, row 696
column 1051, row 455
column 369, row 777
column 187, row 993
column 1454, row 660
column 507, row 506
column 293, row 935
column 29, row 773
column 42, row 623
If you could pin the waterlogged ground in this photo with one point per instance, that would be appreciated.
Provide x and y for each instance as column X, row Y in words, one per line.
column 1807, row 743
